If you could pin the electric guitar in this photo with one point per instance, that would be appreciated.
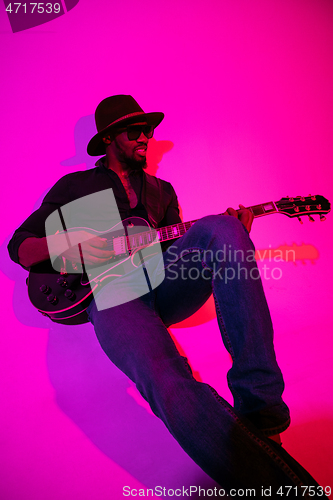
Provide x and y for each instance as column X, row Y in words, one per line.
column 64, row 296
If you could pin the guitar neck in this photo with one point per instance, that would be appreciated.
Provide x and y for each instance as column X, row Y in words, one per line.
column 292, row 207
column 167, row 233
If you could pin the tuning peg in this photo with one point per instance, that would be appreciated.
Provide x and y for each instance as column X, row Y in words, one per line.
column 311, row 219
column 322, row 218
column 300, row 220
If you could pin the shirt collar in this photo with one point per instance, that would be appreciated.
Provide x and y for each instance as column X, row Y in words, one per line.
column 101, row 164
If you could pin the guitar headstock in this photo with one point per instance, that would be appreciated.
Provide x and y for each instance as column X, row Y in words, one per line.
column 304, row 205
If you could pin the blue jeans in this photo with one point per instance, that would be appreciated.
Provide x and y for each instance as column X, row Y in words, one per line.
column 215, row 256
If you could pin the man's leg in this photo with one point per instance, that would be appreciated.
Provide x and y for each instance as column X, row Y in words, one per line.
column 226, row 446
column 216, row 255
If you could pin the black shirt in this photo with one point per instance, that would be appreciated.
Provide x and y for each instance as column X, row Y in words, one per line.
column 82, row 183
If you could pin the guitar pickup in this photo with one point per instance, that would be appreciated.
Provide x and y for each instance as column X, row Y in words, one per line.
column 119, row 245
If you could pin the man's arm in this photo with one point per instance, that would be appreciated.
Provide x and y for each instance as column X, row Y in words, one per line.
column 32, row 251
column 171, row 215
column 29, row 245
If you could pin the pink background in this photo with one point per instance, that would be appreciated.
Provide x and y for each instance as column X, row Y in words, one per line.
column 246, row 88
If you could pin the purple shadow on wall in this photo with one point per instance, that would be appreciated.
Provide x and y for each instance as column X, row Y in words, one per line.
column 23, row 16
column 70, row 4
column 92, row 391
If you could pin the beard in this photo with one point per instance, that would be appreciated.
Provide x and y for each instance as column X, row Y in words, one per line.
column 136, row 165
column 132, row 164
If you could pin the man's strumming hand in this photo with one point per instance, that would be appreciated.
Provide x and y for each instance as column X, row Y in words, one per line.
column 94, row 248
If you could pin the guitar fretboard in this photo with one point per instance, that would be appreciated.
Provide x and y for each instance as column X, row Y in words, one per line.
column 167, row 233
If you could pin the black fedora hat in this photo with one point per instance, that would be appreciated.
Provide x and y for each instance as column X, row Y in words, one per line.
column 115, row 111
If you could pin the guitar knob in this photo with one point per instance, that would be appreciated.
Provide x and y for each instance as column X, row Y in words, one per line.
column 311, row 219
column 322, row 218
column 69, row 294
column 62, row 282
column 52, row 299
column 45, row 289
column 300, row 220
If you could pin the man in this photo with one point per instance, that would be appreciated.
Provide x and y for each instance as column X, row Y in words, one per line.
column 235, row 446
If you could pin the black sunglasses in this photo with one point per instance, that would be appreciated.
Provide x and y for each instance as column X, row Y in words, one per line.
column 134, row 131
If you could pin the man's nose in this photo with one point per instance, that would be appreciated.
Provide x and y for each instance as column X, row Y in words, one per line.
column 142, row 138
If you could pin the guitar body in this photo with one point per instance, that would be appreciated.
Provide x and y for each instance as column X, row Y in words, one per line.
column 65, row 310
column 64, row 296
